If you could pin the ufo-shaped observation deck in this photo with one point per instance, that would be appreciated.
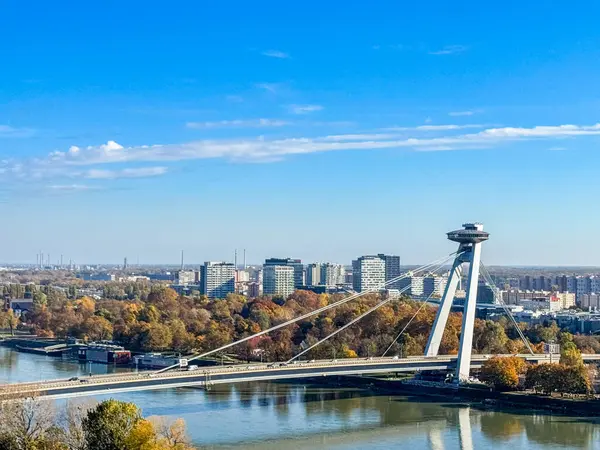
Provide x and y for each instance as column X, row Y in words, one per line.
column 472, row 234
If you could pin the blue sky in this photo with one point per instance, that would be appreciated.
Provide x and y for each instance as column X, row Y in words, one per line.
column 322, row 131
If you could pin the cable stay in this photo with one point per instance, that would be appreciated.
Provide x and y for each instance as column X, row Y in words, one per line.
column 366, row 313
column 425, row 302
column 315, row 312
column 498, row 299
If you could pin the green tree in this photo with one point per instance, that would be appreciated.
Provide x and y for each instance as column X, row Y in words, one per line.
column 40, row 300
column 109, row 425
column 571, row 356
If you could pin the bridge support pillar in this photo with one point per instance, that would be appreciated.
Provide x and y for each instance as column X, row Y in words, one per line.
column 469, row 251
column 435, row 338
column 463, row 363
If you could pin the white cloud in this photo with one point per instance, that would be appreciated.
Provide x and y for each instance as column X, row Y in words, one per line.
column 110, row 145
column 140, row 172
column 275, row 54
column 251, row 123
column 450, row 50
column 11, row 132
column 305, row 109
column 61, row 165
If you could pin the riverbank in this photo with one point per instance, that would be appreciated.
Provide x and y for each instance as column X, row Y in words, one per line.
column 481, row 398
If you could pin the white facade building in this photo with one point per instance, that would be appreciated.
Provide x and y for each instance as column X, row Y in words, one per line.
column 332, row 274
column 218, row 279
column 368, row 273
column 278, row 280
column 313, row 274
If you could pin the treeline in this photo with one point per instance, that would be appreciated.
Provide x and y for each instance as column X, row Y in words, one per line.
column 569, row 375
column 34, row 424
column 165, row 320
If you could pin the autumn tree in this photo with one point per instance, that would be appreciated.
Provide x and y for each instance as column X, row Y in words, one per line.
column 502, row 372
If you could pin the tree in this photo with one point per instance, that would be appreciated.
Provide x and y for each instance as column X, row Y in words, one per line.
column 570, row 356
column 108, row 426
column 8, row 319
column 24, row 424
column 40, row 300
column 97, row 328
column 158, row 337
column 502, row 372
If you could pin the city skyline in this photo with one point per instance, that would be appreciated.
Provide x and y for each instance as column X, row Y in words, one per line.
column 210, row 129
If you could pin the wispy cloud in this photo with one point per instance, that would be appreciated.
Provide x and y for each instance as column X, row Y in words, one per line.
column 251, row 123
column 276, row 54
column 461, row 113
column 140, row 172
column 557, row 149
column 304, row 109
column 448, row 127
column 68, row 164
column 273, row 88
column 7, row 131
column 71, row 187
column 450, row 50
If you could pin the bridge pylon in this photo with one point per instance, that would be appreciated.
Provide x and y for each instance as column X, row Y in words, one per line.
column 469, row 251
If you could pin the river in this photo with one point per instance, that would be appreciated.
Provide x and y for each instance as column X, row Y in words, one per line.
column 295, row 416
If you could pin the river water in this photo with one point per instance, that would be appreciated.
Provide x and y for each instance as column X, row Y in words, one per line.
column 294, row 416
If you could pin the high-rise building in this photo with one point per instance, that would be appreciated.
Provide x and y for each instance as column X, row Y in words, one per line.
column 572, row 284
column 414, row 285
column 595, row 285
column 313, row 274
column 254, row 289
column 485, row 293
column 218, row 279
column 332, row 274
column 278, row 280
column 295, row 263
column 434, row 285
column 368, row 273
column 584, row 286
column 392, row 269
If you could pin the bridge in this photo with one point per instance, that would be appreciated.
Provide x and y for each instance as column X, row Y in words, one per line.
column 238, row 373
column 469, row 252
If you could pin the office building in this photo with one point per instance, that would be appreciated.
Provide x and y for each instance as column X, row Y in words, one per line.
column 595, row 285
column 254, row 289
column 332, row 274
column 368, row 273
column 218, row 279
column 279, row 280
column 392, row 269
column 434, row 285
column 485, row 294
column 313, row 274
column 296, row 264
column 414, row 285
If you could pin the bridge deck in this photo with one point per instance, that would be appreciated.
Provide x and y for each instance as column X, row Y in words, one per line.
column 241, row 373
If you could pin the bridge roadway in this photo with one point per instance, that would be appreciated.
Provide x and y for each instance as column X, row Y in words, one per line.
column 106, row 384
